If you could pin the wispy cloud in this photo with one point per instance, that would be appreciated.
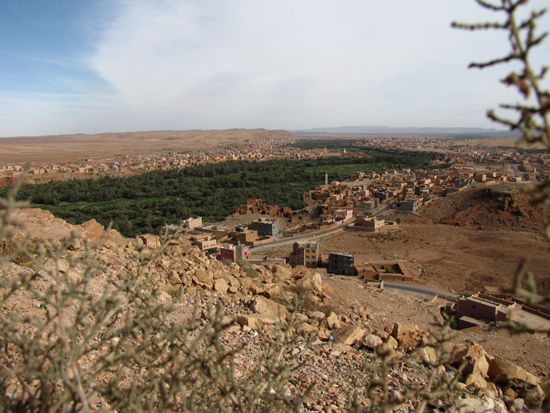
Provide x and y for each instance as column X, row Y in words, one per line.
column 288, row 64
column 181, row 64
column 58, row 61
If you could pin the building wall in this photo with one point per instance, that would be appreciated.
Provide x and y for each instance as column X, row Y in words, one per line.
column 228, row 254
column 150, row 240
column 410, row 205
column 341, row 263
column 343, row 213
column 207, row 244
column 475, row 309
column 306, row 254
column 192, row 223
column 247, row 237
column 266, row 228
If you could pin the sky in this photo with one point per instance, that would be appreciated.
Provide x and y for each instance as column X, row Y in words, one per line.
column 99, row 66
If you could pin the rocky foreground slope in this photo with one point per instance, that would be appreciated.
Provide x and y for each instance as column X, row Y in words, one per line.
column 340, row 350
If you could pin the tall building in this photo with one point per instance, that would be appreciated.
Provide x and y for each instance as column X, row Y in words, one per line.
column 266, row 227
column 306, row 254
column 341, row 263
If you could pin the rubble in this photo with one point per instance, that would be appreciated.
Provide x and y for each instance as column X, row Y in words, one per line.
column 331, row 346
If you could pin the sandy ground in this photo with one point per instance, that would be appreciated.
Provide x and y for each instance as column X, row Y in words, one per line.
column 447, row 256
column 70, row 148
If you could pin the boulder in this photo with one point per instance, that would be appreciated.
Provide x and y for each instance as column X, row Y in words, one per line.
column 196, row 257
column 385, row 351
column 257, row 288
column 282, row 271
column 318, row 315
column 174, row 278
column 203, row 276
column 474, row 359
column 326, row 288
column 333, row 321
column 186, row 280
column 426, row 355
column 246, row 282
column 481, row 405
column 109, row 244
column 517, row 404
column 232, row 281
column 509, row 395
column 371, row 341
column 299, row 271
column 392, row 343
column 407, row 335
column 271, row 290
column 476, row 381
column 324, row 334
column 301, row 318
column 221, row 286
column 63, row 266
column 348, row 335
column 256, row 321
column 206, row 286
column 312, row 282
column 93, row 230
column 306, row 328
column 76, row 245
column 503, row 372
column 263, row 305
column 534, row 396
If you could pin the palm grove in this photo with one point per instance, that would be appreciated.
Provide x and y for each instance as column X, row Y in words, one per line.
column 144, row 203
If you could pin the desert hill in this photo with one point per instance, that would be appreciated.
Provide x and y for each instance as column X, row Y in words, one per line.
column 69, row 148
column 503, row 206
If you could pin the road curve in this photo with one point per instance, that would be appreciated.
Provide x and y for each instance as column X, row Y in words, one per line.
column 417, row 289
column 292, row 240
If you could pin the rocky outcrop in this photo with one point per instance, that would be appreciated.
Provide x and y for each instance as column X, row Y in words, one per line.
column 325, row 332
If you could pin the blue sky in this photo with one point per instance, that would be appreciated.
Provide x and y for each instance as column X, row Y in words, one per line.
column 130, row 65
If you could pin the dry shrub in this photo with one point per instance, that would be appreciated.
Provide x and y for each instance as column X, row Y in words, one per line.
column 117, row 348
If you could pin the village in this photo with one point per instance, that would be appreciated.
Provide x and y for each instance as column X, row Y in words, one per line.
column 458, row 153
column 355, row 205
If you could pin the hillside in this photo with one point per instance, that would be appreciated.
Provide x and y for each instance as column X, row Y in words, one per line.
column 365, row 326
column 502, row 206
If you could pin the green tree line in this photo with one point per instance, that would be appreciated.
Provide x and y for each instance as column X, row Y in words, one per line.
column 145, row 202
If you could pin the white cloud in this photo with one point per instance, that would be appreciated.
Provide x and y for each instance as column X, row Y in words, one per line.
column 183, row 64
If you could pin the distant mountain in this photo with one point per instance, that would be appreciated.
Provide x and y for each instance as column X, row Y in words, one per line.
column 390, row 130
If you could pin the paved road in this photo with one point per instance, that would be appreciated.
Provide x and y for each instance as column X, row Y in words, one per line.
column 381, row 211
column 292, row 240
column 514, row 168
column 420, row 289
